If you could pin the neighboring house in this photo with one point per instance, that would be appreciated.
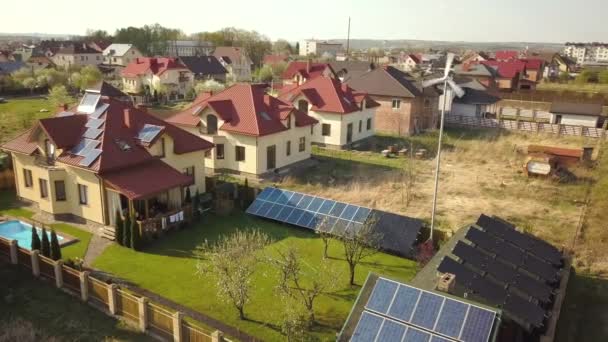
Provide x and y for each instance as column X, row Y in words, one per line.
column 346, row 70
column 236, row 61
column 205, row 68
column 77, row 54
column 299, row 72
column 510, row 75
column 535, row 68
column 506, row 55
column 181, row 48
column 6, row 56
column 39, row 62
column 276, row 59
column 319, row 48
column 485, row 74
column 254, row 133
column 405, row 107
column 560, row 64
column 474, row 57
column 476, row 101
column 120, row 54
column 345, row 116
column 577, row 114
column 151, row 76
column 105, row 156
column 8, row 68
column 410, row 63
column 106, row 89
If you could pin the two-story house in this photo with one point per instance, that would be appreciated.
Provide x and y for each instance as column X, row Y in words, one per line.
column 105, row 156
column 254, row 132
column 205, row 68
column 120, row 54
column 147, row 77
column 345, row 116
column 484, row 74
column 510, row 75
column 236, row 61
column 405, row 107
column 77, row 55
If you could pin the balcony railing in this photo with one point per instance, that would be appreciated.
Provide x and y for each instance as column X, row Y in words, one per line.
column 167, row 221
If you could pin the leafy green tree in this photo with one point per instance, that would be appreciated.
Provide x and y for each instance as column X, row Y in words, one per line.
column 55, row 248
column 602, row 77
column 36, row 245
column 264, row 74
column 46, row 245
column 281, row 46
column 196, row 203
column 188, row 198
column 52, row 77
column 58, row 96
column 564, row 77
column 30, row 83
column 86, row 77
column 126, row 232
column 584, row 77
column 297, row 49
column 208, row 86
column 135, row 235
column 119, row 226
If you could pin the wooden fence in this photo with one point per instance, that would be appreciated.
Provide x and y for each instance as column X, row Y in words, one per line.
column 162, row 323
column 526, row 126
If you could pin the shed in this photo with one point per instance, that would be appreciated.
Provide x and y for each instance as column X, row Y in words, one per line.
column 577, row 114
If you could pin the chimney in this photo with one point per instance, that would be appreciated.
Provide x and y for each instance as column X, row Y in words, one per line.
column 63, row 107
column 446, row 283
column 128, row 118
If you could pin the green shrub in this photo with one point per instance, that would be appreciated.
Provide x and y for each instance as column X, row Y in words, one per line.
column 119, row 225
column 36, row 246
column 55, row 248
column 46, row 245
column 126, row 231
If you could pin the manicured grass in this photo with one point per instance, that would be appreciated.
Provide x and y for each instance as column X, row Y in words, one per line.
column 167, row 267
column 75, row 250
column 370, row 158
column 78, row 249
column 53, row 313
column 17, row 115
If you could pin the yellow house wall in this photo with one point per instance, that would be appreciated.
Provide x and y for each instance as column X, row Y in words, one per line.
column 339, row 124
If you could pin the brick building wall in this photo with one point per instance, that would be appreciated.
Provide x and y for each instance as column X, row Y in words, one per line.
column 413, row 114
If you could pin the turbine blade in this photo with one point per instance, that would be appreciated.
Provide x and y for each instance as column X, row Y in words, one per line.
column 448, row 64
column 430, row 83
column 456, row 88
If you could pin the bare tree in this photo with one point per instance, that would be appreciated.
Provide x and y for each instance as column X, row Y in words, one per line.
column 361, row 245
column 232, row 260
column 292, row 272
column 409, row 176
column 325, row 236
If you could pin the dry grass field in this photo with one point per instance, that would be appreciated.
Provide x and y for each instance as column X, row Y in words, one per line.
column 482, row 172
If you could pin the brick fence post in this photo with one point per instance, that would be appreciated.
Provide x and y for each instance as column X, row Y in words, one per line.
column 84, row 286
column 177, row 327
column 35, row 263
column 112, row 292
column 14, row 250
column 143, row 313
column 58, row 266
column 217, row 336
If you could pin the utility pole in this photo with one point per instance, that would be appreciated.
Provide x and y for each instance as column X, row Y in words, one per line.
column 348, row 40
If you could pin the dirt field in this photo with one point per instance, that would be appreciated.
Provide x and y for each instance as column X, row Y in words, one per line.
column 481, row 173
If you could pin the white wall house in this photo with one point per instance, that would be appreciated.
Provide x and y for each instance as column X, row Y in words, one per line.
column 120, row 54
column 319, row 48
column 345, row 116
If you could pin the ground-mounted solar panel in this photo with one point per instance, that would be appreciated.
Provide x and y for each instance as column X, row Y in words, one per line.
column 90, row 157
column 398, row 233
column 428, row 314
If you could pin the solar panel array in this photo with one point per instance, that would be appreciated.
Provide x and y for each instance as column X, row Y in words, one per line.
column 149, row 132
column 84, row 146
column 90, row 157
column 92, row 133
column 88, row 104
column 399, row 233
column 310, row 212
column 99, row 110
column 399, row 312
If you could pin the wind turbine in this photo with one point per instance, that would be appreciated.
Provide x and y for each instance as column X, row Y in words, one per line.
column 448, row 86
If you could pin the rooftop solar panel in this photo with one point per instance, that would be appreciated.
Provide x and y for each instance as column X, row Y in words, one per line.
column 149, row 132
column 88, row 103
column 399, row 233
column 528, row 311
column 367, row 328
column 94, row 123
column 90, row 157
column 84, row 146
column 99, row 110
column 428, row 314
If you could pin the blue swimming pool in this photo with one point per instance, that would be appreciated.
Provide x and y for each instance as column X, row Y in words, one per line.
column 22, row 232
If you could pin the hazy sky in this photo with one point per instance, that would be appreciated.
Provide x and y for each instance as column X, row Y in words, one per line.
column 469, row 20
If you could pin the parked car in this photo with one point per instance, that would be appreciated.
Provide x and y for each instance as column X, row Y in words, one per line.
column 2, row 100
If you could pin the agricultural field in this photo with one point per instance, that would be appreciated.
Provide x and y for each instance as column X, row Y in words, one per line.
column 17, row 115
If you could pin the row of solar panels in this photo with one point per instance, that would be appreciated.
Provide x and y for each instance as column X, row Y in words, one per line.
column 372, row 327
column 429, row 311
column 399, row 233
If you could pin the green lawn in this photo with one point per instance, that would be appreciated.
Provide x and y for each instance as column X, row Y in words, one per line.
column 76, row 250
column 167, row 268
column 17, row 115
column 53, row 314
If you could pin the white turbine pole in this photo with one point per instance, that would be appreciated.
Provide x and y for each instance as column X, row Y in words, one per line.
column 438, row 161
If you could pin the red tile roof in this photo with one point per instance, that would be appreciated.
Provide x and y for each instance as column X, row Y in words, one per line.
column 506, row 55
column 533, row 63
column 328, row 95
column 414, row 58
column 155, row 65
column 67, row 131
column 146, row 179
column 275, row 59
column 245, row 109
column 302, row 68
column 507, row 69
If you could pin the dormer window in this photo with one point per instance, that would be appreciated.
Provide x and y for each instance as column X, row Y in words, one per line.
column 288, row 122
column 303, row 106
column 211, row 124
column 49, row 149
